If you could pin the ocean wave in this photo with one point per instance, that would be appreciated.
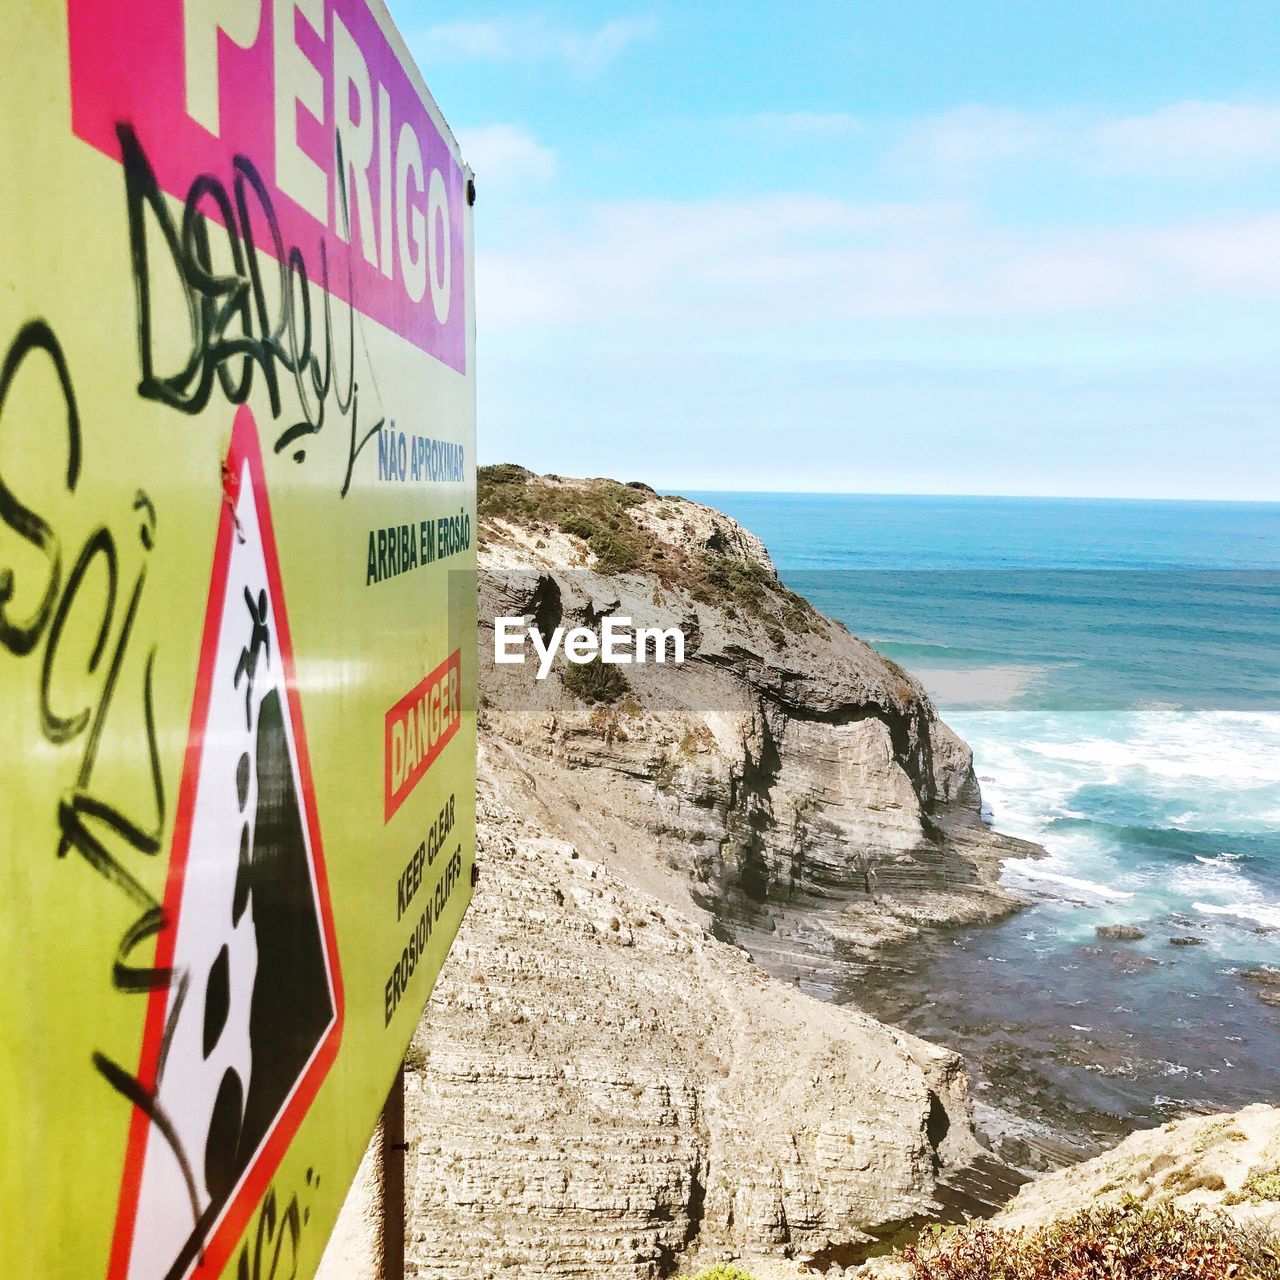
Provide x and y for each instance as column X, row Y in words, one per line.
column 1038, row 874
column 1202, row 846
column 1153, row 809
column 1263, row 913
column 1161, row 743
column 1186, row 771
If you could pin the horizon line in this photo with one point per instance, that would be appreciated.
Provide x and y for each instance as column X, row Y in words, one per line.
column 940, row 493
column 670, row 490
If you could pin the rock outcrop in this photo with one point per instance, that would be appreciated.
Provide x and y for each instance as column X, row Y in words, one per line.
column 787, row 780
column 604, row 1083
column 601, row 1089
column 1218, row 1166
column 1219, row 1163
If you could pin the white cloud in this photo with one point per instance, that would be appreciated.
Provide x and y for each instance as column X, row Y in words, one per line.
column 507, row 157
column 521, row 39
column 701, row 338
column 787, row 266
column 1187, row 139
column 974, row 137
column 1239, row 256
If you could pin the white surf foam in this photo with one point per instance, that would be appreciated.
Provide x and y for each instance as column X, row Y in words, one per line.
column 1264, row 913
column 1038, row 874
column 1194, row 771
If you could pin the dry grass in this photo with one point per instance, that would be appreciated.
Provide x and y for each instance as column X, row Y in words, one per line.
column 1121, row 1242
column 599, row 515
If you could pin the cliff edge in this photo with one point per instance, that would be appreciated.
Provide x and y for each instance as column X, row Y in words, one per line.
column 604, row 1083
column 788, row 781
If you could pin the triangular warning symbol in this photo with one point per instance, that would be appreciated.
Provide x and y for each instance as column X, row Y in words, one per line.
column 237, row 1043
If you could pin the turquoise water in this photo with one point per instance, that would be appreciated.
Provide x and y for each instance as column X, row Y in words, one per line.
column 1116, row 668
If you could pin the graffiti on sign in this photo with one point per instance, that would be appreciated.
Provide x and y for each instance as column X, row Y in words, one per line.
column 237, row 337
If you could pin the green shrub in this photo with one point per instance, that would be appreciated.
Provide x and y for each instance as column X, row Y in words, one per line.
column 596, row 513
column 616, row 552
column 1262, row 1187
column 747, row 587
column 580, row 526
column 503, row 473
column 1128, row 1241
column 595, row 681
column 629, row 495
column 599, row 513
column 725, row 1271
column 499, row 488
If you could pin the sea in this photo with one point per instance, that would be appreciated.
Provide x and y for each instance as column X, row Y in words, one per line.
column 1115, row 666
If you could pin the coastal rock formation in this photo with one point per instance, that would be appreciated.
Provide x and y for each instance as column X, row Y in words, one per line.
column 1221, row 1163
column 1216, row 1167
column 601, row 1089
column 787, row 780
column 1120, row 932
column 604, row 1083
column 1267, row 981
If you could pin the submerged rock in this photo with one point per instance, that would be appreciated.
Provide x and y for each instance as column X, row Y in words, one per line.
column 1120, row 932
column 1268, row 980
column 1263, row 977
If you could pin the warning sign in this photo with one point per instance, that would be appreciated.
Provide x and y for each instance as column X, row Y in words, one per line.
column 238, row 1041
column 237, row 620
column 419, row 727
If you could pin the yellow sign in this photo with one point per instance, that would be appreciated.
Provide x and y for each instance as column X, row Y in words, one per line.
column 237, row 611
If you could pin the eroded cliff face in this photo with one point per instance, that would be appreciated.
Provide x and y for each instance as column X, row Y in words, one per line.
column 601, row 1089
column 603, row 1084
column 787, row 779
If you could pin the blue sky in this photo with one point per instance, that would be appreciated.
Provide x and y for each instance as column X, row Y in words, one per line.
column 948, row 247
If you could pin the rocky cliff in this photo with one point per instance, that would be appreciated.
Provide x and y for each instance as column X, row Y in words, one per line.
column 1218, row 1164
column 787, row 780
column 604, row 1084
column 1218, row 1173
column 601, row 1089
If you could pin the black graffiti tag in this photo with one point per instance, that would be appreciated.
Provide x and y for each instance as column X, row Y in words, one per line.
column 236, row 331
column 272, row 1254
column 78, row 695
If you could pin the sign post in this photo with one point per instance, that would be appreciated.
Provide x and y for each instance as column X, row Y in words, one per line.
column 393, row 1148
column 237, row 612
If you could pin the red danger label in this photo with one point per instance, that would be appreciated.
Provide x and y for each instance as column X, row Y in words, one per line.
column 418, row 729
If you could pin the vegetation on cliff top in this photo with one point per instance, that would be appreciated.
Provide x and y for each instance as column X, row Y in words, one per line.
column 595, row 681
column 599, row 514
column 1260, row 1188
column 594, row 513
column 1128, row 1241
